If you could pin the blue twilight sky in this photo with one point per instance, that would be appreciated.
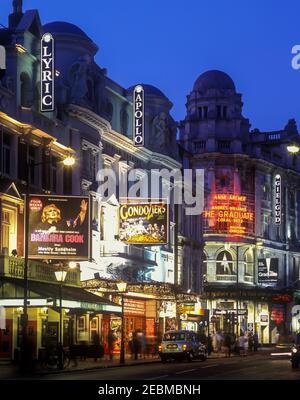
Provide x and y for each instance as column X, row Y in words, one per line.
column 169, row 43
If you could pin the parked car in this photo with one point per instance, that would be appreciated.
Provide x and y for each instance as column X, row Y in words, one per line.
column 295, row 360
column 179, row 345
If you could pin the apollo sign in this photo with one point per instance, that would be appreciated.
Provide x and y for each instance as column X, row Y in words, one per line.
column 138, row 116
column 47, row 73
column 277, row 200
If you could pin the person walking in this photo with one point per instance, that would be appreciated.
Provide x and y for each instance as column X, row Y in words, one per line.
column 255, row 341
column 209, row 344
column 227, row 345
column 241, row 341
column 111, row 343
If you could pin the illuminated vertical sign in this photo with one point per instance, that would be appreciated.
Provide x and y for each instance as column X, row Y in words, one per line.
column 47, row 73
column 277, row 200
column 138, row 116
column 2, row 61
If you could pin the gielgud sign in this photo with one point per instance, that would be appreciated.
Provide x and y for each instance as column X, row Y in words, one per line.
column 144, row 223
column 59, row 227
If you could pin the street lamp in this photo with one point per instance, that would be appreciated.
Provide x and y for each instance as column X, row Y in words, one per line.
column 26, row 357
column 60, row 276
column 122, row 286
column 294, row 149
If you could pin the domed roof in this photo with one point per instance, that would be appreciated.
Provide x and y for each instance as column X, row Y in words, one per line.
column 149, row 89
column 214, row 80
column 61, row 27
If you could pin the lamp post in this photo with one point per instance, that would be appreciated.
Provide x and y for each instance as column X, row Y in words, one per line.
column 122, row 286
column 60, row 276
column 25, row 356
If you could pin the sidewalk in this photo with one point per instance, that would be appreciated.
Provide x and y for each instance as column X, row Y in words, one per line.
column 11, row 371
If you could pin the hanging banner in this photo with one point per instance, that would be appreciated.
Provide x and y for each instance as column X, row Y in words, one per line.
column 59, row 227
column 138, row 116
column 47, row 73
column 144, row 223
column 277, row 200
column 267, row 270
column 229, row 214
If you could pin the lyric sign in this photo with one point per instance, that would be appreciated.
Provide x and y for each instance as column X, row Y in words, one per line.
column 47, row 73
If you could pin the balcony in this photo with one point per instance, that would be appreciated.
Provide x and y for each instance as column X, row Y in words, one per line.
column 13, row 267
column 130, row 252
column 226, row 278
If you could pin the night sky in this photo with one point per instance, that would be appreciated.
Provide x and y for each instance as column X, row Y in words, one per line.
column 169, row 43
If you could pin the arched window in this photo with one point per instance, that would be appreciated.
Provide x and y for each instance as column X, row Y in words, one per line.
column 124, row 122
column 224, row 264
column 26, row 90
column 109, row 110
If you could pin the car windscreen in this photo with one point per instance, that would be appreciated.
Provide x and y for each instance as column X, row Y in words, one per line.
column 173, row 336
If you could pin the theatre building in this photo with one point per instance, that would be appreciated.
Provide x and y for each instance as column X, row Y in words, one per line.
column 251, row 215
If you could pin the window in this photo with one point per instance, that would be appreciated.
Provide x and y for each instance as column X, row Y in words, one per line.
column 67, row 179
column 8, row 238
column 224, row 264
column 203, row 112
column 223, row 145
column 6, row 153
column 26, row 98
column 200, row 145
column 124, row 122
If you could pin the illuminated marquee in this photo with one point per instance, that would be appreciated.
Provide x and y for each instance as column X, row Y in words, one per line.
column 144, row 223
column 47, row 73
column 138, row 116
column 277, row 200
column 230, row 214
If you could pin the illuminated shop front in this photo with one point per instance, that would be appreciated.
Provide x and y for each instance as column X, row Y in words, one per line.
column 260, row 310
column 82, row 311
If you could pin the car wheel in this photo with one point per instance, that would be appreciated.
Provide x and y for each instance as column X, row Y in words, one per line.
column 190, row 356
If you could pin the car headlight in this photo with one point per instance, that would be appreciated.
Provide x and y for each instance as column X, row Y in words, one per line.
column 294, row 350
column 184, row 347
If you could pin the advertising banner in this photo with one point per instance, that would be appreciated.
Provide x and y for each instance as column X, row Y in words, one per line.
column 59, row 227
column 144, row 223
column 229, row 214
column 268, row 270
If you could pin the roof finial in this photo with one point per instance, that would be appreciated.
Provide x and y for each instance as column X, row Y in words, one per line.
column 17, row 5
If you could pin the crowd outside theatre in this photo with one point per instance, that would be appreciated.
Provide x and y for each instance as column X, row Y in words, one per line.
column 228, row 343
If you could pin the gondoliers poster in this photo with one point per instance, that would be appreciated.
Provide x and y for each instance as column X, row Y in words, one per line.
column 144, row 223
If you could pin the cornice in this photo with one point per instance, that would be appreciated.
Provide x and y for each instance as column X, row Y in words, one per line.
column 116, row 139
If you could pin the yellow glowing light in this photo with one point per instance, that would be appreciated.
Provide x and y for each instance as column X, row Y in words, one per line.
column 72, row 264
column 69, row 161
column 293, row 149
column 20, row 48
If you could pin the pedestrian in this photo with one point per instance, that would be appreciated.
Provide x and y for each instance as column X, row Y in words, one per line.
column 219, row 339
column 209, row 344
column 227, row 345
column 242, row 342
column 111, row 343
column 135, row 342
column 250, row 341
column 255, row 341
